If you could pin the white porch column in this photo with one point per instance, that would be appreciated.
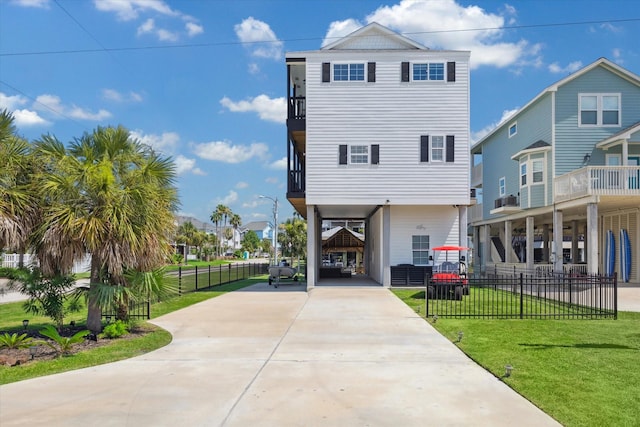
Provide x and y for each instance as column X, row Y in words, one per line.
column 574, row 242
column 529, row 248
column 386, row 246
column 486, row 247
column 592, row 238
column 546, row 243
column 625, row 152
column 476, row 248
column 312, row 260
column 462, row 229
column 508, row 247
column 557, row 242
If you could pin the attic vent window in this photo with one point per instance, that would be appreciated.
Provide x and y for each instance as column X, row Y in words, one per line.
column 513, row 129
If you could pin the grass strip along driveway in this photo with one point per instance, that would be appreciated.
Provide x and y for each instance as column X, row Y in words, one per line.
column 581, row 372
column 12, row 315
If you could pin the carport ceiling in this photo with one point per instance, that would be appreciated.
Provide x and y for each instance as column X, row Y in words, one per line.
column 346, row 211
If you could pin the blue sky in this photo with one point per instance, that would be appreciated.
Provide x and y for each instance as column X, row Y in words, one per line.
column 205, row 81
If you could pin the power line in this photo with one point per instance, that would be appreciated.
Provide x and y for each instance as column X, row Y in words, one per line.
column 218, row 44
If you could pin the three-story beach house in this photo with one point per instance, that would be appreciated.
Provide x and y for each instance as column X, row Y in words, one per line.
column 560, row 179
column 378, row 131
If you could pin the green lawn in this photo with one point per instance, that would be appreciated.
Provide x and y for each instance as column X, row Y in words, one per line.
column 12, row 314
column 581, row 372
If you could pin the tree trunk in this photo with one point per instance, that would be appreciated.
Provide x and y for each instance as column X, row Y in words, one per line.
column 94, row 313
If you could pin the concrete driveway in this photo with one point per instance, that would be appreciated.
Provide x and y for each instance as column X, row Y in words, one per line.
column 336, row 356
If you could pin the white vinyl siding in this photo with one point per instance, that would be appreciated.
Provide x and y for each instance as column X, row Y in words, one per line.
column 393, row 115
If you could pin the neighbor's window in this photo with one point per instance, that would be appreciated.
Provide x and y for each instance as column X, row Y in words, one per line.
column 348, row 72
column 599, row 109
column 502, row 186
column 523, row 174
column 359, row 154
column 437, row 148
column 513, row 129
column 537, row 169
column 428, row 71
column 420, row 248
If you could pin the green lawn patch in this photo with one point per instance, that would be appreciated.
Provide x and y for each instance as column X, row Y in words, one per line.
column 581, row 372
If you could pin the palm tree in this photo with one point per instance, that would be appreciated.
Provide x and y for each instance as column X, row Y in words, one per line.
column 113, row 197
column 17, row 206
column 187, row 231
column 216, row 218
column 235, row 221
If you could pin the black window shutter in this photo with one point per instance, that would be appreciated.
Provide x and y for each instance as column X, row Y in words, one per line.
column 405, row 71
column 451, row 71
column 424, row 148
column 343, row 155
column 375, row 154
column 371, row 75
column 450, row 148
column 326, row 72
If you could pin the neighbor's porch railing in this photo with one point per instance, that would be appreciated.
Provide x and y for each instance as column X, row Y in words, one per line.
column 598, row 181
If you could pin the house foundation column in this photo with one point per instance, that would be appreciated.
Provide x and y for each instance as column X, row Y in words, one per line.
column 574, row 242
column 462, row 227
column 508, row 247
column 486, row 247
column 529, row 244
column 476, row 248
column 592, row 238
column 312, row 261
column 546, row 241
column 386, row 246
column 558, row 256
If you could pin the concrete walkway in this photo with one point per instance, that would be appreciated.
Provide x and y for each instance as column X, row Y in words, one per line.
column 336, row 356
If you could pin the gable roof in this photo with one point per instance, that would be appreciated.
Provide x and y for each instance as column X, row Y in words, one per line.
column 341, row 239
column 256, row 225
column 615, row 139
column 602, row 62
column 377, row 35
column 537, row 146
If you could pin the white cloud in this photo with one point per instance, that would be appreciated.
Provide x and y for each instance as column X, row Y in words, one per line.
column 617, row 56
column 52, row 103
column 506, row 114
column 127, row 10
column 569, row 68
column 254, row 68
column 270, row 109
column 43, row 4
column 165, row 143
column 272, row 180
column 147, row 27
column 11, row 102
column 224, row 151
column 241, row 185
column 445, row 24
column 259, row 38
column 114, row 95
column 193, row 29
column 184, row 165
column 252, row 204
column 229, row 199
column 339, row 29
column 28, row 118
column 279, row 164
column 166, row 35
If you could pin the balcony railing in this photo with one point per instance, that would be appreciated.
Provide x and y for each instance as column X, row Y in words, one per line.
column 506, row 201
column 598, row 181
column 297, row 107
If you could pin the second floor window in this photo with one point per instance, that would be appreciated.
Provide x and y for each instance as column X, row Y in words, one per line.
column 599, row 109
column 537, row 169
column 502, row 184
column 359, row 154
column 428, row 71
column 348, row 72
column 437, row 148
column 523, row 174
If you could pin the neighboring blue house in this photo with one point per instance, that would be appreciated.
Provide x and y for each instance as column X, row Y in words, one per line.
column 262, row 228
column 560, row 173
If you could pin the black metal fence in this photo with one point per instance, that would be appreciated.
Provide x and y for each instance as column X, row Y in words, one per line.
column 192, row 279
column 560, row 296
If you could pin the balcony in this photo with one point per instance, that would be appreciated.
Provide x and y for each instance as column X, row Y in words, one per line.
column 598, row 181
column 476, row 175
column 506, row 205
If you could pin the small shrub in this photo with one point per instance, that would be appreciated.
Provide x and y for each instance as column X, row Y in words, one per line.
column 62, row 345
column 15, row 340
column 115, row 330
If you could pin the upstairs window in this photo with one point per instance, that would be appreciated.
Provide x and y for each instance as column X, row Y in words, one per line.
column 433, row 71
column 599, row 109
column 359, row 154
column 502, row 184
column 513, row 129
column 523, row 174
column 437, row 148
column 537, row 169
column 348, row 72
